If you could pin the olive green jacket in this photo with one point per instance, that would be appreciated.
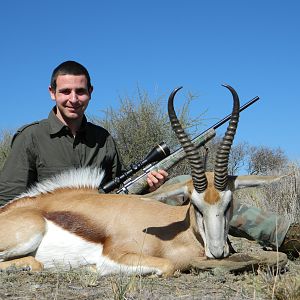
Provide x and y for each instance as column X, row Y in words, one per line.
column 47, row 147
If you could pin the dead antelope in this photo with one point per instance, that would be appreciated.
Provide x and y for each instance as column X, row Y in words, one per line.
column 65, row 221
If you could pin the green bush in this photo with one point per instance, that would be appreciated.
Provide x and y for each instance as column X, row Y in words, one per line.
column 5, row 140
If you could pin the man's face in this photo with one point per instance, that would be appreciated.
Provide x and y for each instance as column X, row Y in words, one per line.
column 72, row 97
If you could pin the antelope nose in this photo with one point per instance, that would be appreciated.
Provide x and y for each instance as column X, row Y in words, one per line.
column 217, row 252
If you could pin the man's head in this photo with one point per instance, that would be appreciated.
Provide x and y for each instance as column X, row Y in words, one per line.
column 69, row 67
column 71, row 90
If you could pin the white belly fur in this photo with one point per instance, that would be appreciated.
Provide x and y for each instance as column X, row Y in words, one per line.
column 62, row 249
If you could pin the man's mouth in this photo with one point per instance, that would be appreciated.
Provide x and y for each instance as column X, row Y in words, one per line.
column 73, row 108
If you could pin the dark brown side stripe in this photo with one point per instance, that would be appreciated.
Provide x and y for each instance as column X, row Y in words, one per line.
column 77, row 224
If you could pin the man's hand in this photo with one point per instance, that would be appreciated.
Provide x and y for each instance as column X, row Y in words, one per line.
column 155, row 179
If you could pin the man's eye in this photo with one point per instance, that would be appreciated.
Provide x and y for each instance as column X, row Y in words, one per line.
column 65, row 92
column 81, row 91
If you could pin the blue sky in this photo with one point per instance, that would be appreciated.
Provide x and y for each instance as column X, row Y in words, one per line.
column 159, row 45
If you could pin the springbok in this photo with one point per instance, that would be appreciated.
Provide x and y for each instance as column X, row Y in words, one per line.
column 65, row 221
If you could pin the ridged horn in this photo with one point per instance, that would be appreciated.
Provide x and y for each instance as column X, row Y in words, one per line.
column 192, row 154
column 222, row 157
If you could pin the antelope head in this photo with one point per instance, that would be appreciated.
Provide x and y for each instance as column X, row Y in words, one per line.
column 211, row 195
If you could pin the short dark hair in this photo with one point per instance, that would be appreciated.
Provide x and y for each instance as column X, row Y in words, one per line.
column 69, row 67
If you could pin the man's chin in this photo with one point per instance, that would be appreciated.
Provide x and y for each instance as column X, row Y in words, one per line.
column 74, row 116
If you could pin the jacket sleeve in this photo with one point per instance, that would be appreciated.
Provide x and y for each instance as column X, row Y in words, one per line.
column 19, row 170
column 115, row 167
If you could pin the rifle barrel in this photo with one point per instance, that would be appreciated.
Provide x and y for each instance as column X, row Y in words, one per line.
column 224, row 120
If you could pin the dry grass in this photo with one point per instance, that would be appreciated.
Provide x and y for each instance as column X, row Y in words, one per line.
column 219, row 284
column 282, row 197
column 279, row 287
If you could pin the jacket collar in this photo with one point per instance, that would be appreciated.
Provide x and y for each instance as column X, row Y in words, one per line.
column 56, row 126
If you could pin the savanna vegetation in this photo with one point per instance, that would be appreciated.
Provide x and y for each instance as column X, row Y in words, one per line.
column 137, row 125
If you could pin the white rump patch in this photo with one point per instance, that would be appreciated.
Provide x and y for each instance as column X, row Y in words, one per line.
column 74, row 178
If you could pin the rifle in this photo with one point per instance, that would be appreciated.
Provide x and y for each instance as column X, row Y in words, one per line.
column 165, row 160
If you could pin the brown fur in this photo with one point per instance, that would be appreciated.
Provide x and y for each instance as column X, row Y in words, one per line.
column 211, row 195
column 78, row 224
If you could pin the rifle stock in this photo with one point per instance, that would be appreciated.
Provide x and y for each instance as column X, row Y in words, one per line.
column 139, row 184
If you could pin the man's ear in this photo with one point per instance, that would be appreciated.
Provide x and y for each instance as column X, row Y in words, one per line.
column 52, row 93
column 91, row 90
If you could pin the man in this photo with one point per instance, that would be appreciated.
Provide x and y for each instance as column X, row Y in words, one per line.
column 66, row 140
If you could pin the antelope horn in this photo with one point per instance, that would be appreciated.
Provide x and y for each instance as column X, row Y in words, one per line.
column 193, row 156
column 222, row 157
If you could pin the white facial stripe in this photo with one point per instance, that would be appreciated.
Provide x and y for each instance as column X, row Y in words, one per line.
column 213, row 223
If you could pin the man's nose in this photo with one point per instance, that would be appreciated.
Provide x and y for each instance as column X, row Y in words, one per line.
column 73, row 97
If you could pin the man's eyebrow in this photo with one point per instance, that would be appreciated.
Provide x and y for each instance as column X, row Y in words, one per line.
column 82, row 89
column 63, row 89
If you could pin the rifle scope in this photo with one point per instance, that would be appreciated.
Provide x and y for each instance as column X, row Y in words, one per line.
column 156, row 154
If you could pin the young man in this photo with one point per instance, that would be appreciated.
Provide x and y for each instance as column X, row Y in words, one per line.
column 64, row 140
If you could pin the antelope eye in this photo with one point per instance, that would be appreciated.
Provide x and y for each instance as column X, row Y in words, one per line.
column 227, row 208
column 199, row 211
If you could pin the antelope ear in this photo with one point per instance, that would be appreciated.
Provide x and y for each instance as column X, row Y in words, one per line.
column 239, row 182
